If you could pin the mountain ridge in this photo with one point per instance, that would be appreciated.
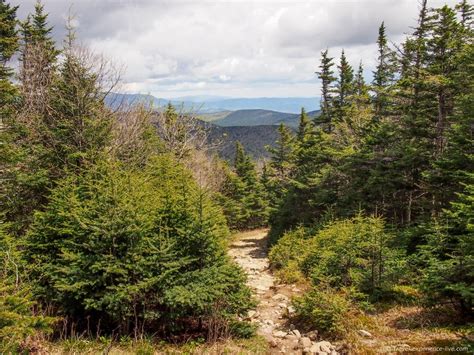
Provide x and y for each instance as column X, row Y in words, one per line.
column 212, row 104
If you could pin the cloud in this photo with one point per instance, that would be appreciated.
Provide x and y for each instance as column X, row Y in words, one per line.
column 235, row 48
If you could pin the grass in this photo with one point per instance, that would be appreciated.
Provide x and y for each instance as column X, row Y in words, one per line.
column 413, row 329
column 255, row 345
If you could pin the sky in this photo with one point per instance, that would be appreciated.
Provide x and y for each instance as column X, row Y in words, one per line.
column 258, row 48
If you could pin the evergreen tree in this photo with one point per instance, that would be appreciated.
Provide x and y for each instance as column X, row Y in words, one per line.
column 120, row 249
column 8, row 95
column 281, row 166
column 344, row 87
column 449, row 255
column 326, row 75
column 383, row 75
column 8, row 47
column 243, row 195
column 304, row 126
column 467, row 12
column 38, row 53
column 282, row 153
column 361, row 89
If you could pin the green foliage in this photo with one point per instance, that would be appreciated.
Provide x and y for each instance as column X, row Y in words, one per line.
column 18, row 320
column 400, row 149
column 449, row 257
column 133, row 248
column 324, row 309
column 354, row 253
column 288, row 255
column 242, row 194
column 8, row 44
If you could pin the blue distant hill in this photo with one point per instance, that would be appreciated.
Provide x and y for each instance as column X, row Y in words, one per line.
column 213, row 104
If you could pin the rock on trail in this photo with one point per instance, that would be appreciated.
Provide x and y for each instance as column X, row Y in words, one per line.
column 271, row 315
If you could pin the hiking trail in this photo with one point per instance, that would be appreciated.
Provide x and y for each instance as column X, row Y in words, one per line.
column 274, row 309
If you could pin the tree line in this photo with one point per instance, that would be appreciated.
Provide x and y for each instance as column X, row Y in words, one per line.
column 110, row 222
column 374, row 197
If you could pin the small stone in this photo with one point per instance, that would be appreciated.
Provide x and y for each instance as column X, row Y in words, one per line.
column 313, row 335
column 282, row 305
column 324, row 346
column 291, row 310
column 305, row 343
column 297, row 333
column 272, row 342
column 292, row 327
column 364, row 333
column 279, row 334
column 251, row 314
column 280, row 297
column 314, row 349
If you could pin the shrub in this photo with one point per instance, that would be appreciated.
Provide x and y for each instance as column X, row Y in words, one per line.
column 132, row 249
column 324, row 309
column 288, row 254
column 354, row 253
column 18, row 320
column 448, row 256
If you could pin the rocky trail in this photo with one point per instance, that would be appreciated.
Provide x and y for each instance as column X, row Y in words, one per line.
column 273, row 312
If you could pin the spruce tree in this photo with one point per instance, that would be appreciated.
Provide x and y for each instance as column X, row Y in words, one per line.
column 383, row 75
column 326, row 75
column 344, row 87
column 8, row 47
column 467, row 12
column 304, row 126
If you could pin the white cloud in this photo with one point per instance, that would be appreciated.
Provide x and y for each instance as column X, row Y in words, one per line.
column 235, row 48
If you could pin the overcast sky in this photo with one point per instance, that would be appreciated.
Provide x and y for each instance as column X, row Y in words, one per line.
column 230, row 48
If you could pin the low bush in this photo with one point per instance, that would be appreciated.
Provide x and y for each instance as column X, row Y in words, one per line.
column 356, row 253
column 289, row 253
column 134, row 249
column 324, row 309
column 19, row 320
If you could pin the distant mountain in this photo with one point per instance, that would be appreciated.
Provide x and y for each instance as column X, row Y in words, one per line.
column 115, row 101
column 212, row 104
column 280, row 104
column 258, row 118
column 254, row 139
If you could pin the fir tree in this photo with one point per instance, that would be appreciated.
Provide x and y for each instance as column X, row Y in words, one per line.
column 383, row 75
column 304, row 126
column 8, row 47
column 344, row 87
column 326, row 75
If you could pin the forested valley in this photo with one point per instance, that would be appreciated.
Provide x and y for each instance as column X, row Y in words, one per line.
column 116, row 222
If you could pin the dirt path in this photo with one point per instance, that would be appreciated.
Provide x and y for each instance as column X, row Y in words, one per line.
column 271, row 315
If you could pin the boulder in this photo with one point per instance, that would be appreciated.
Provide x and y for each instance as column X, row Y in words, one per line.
column 314, row 349
column 297, row 333
column 305, row 343
column 324, row 346
column 279, row 334
column 313, row 335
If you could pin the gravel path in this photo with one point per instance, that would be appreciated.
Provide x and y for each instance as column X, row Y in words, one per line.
column 271, row 315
